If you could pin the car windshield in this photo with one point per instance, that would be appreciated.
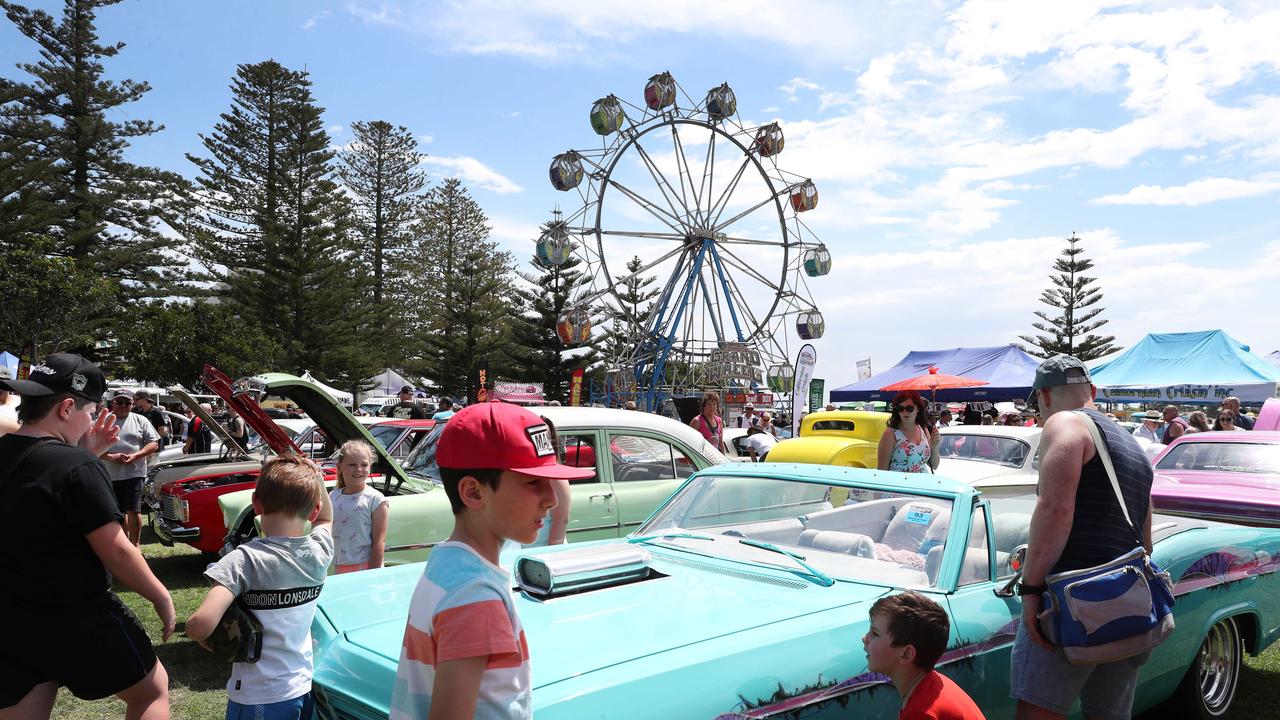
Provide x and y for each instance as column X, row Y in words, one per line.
column 422, row 459
column 1006, row 451
column 885, row 538
column 385, row 434
column 1234, row 457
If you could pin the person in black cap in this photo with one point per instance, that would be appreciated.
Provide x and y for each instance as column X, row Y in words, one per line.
column 145, row 405
column 61, row 543
column 407, row 409
column 1077, row 523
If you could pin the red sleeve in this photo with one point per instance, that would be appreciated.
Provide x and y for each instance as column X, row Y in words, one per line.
column 473, row 630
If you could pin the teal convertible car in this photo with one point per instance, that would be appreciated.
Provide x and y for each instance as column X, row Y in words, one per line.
column 746, row 594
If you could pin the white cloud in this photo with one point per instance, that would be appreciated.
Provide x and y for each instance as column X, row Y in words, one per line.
column 1199, row 192
column 426, row 139
column 335, row 129
column 472, row 172
column 310, row 23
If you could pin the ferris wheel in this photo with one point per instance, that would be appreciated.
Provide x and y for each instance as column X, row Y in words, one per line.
column 684, row 194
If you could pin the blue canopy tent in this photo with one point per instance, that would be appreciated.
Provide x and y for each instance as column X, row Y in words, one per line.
column 1186, row 368
column 1008, row 371
column 10, row 362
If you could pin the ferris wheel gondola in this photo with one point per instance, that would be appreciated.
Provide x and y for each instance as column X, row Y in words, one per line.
column 698, row 197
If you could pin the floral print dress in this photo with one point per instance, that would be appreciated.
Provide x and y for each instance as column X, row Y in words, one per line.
column 910, row 457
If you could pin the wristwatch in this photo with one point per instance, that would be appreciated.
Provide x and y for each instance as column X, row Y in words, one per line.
column 1024, row 589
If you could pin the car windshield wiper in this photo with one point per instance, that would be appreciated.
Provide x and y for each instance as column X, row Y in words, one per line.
column 667, row 536
column 812, row 572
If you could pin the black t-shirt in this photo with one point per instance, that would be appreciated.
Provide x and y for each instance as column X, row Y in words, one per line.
column 48, row 504
column 158, row 421
column 407, row 411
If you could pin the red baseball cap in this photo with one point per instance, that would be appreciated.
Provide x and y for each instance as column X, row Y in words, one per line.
column 502, row 436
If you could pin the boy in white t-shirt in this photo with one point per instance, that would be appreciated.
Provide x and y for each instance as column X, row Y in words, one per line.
column 277, row 577
column 464, row 653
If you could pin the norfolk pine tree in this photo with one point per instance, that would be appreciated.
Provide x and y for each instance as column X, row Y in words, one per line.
column 1070, row 332
column 629, row 312
column 64, row 156
column 541, row 356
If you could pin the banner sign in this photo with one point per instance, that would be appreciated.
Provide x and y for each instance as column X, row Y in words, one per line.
column 1249, row 393
column 759, row 399
column 518, row 391
column 482, row 391
column 734, row 363
column 864, row 369
column 816, row 388
column 805, row 360
column 575, row 387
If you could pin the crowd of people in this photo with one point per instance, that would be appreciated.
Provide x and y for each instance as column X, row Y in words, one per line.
column 72, row 468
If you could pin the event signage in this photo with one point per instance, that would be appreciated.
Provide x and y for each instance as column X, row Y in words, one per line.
column 1190, row 394
column 575, row 387
column 734, row 362
column 816, row 388
column 764, row 399
column 864, row 369
column 805, row 360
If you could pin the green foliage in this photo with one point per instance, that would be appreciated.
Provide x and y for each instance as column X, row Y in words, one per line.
column 541, row 356
column 169, row 343
column 463, row 298
column 63, row 153
column 1070, row 331
column 630, row 312
column 275, row 229
column 51, row 304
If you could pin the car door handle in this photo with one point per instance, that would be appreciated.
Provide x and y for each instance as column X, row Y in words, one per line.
column 602, row 495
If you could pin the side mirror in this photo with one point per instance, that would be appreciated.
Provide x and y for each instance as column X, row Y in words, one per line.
column 1015, row 562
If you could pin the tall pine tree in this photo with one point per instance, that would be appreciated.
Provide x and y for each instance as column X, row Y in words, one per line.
column 381, row 170
column 542, row 357
column 1070, row 331
column 462, row 312
column 274, row 227
column 629, row 313
column 62, row 157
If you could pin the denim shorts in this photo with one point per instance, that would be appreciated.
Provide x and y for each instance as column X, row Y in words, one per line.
column 299, row 708
column 1046, row 679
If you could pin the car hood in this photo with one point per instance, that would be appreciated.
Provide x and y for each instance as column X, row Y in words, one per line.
column 731, row 598
column 253, row 415
column 217, row 428
column 335, row 420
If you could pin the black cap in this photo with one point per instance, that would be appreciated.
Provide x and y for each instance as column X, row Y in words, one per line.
column 406, row 389
column 61, row 373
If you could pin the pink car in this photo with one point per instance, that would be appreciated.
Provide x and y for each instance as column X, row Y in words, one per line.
column 1228, row 476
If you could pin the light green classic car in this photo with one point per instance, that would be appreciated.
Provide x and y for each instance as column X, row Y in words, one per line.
column 647, row 458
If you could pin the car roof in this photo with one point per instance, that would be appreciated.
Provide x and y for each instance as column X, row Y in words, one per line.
column 1014, row 431
column 581, row 417
column 297, row 425
column 1252, row 436
column 401, row 422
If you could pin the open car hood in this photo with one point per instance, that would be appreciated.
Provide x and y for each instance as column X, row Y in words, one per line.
column 337, row 422
column 227, row 442
column 248, row 407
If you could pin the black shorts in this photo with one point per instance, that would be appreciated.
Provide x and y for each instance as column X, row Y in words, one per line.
column 128, row 494
column 92, row 654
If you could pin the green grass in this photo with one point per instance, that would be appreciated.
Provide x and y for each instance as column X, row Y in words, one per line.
column 197, row 679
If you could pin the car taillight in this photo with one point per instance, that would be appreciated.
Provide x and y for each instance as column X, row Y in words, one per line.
column 184, row 511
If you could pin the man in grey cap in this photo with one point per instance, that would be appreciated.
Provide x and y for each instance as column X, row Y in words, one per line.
column 126, row 460
column 1077, row 523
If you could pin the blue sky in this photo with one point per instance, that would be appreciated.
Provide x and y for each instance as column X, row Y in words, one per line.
column 954, row 144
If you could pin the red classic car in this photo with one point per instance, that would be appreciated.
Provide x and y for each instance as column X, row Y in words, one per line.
column 188, row 508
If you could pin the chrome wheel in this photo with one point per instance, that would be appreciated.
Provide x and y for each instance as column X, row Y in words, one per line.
column 1218, row 667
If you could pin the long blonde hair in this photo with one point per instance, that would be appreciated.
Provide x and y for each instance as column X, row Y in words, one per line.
column 345, row 450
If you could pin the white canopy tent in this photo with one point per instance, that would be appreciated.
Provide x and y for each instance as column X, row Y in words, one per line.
column 336, row 394
column 388, row 382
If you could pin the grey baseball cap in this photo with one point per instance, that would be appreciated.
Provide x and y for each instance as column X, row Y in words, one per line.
column 1054, row 372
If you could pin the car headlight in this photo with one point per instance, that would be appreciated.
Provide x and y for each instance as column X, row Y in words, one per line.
column 184, row 511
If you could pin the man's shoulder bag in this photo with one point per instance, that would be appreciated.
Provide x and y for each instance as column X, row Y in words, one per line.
column 1111, row 611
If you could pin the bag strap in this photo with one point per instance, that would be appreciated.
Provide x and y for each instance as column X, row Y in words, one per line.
column 16, row 461
column 1100, row 445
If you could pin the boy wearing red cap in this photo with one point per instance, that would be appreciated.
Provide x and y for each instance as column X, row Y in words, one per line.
column 464, row 652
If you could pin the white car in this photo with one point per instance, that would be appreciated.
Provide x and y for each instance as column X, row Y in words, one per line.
column 990, row 456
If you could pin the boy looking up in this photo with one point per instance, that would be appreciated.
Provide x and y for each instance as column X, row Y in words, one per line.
column 908, row 634
column 278, row 578
column 464, row 653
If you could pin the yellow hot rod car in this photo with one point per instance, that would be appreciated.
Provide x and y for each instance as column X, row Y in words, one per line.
column 836, row 437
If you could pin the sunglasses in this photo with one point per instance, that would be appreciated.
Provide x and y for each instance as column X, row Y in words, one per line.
column 906, row 408
column 1224, row 418
column 121, row 402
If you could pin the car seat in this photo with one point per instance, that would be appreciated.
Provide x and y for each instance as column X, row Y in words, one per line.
column 835, row 541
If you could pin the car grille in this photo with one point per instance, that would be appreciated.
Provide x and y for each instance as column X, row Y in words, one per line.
column 169, row 507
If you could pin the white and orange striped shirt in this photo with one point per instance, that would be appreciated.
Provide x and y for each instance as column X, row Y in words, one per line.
column 463, row 608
